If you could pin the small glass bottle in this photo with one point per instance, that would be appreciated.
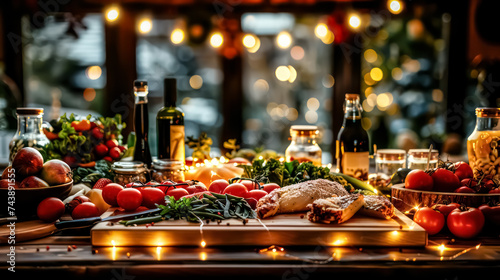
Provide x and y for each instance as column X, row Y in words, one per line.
column 29, row 132
column 167, row 170
column 353, row 143
column 304, row 146
column 483, row 144
column 141, row 123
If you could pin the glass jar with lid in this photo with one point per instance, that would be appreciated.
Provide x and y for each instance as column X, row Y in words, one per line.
column 304, row 145
column 417, row 159
column 167, row 170
column 129, row 172
column 388, row 161
column 29, row 132
column 482, row 144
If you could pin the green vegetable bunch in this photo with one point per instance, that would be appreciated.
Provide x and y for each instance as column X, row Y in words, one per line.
column 91, row 175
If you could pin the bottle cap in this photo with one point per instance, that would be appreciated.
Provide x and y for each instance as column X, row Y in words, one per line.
column 170, row 91
column 29, row 111
column 140, row 85
column 485, row 112
column 304, row 130
column 351, row 96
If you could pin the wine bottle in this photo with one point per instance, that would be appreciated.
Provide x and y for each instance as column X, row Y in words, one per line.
column 353, row 145
column 141, row 123
column 170, row 125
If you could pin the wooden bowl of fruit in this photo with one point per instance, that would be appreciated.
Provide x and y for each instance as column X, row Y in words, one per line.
column 29, row 180
column 452, row 183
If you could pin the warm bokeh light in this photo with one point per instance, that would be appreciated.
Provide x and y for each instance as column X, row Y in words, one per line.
column 395, row 6
column 437, row 95
column 93, row 72
column 112, row 14
column 261, row 85
column 145, row 25
column 313, row 104
column 249, row 41
column 293, row 74
column 370, row 55
column 321, row 30
column 196, row 81
column 284, row 39
column 328, row 81
column 282, row 73
column 311, row 116
column 329, row 38
column 292, row 114
column 384, row 100
column 297, row 52
column 354, row 21
column 397, row 73
column 177, row 36
column 216, row 40
column 89, row 94
column 376, row 74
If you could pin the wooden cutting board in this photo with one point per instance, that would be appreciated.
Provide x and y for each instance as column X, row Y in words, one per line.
column 23, row 231
column 282, row 230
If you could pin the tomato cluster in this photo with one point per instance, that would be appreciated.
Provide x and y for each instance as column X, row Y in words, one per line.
column 454, row 177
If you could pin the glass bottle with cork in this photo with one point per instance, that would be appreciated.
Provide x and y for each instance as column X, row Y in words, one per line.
column 29, row 132
column 353, row 144
column 141, row 123
column 170, row 125
column 304, row 146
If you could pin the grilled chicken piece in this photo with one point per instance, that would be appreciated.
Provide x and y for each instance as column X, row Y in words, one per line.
column 377, row 206
column 335, row 210
column 295, row 198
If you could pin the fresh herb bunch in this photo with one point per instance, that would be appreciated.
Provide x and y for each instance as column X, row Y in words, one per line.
column 288, row 173
column 90, row 176
column 198, row 208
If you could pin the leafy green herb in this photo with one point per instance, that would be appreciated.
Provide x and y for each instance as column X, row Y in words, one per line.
column 89, row 176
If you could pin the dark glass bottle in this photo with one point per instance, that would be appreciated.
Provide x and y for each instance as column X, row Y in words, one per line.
column 353, row 145
column 170, row 125
column 141, row 123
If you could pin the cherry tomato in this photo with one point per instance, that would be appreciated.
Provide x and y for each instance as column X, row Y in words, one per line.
column 101, row 150
column 464, row 189
column 195, row 188
column 497, row 190
column 469, row 182
column 491, row 214
column 445, row 180
column 85, row 210
column 419, row 180
column 250, row 185
column 218, row 186
column 50, row 209
column 110, row 192
column 115, row 153
column 152, row 196
column 177, row 193
column 75, row 202
column 270, row 187
column 97, row 133
column 129, row 199
column 256, row 194
column 112, row 143
column 463, row 170
column 236, row 189
column 432, row 221
column 446, row 208
column 465, row 222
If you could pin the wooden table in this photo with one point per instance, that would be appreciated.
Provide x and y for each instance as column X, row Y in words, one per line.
column 70, row 255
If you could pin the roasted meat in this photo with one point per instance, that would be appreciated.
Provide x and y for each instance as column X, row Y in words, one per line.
column 335, row 210
column 377, row 206
column 295, row 198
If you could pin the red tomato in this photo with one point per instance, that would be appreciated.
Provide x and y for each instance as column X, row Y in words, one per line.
column 432, row 221
column 446, row 208
column 195, row 188
column 491, row 214
column 110, row 192
column 129, row 199
column 76, row 201
column 256, row 194
column 236, row 189
column 497, row 190
column 115, row 153
column 465, row 222
column 250, row 185
column 419, row 180
column 270, row 187
column 112, row 143
column 445, row 180
column 218, row 186
column 464, row 189
column 85, row 210
column 177, row 193
column 152, row 196
column 101, row 150
column 463, row 170
column 50, row 209
column 97, row 133
column 469, row 182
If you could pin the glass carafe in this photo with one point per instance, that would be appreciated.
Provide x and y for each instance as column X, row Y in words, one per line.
column 29, row 132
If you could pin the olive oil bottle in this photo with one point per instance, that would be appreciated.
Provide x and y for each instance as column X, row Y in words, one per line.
column 170, row 125
column 141, row 123
column 353, row 145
